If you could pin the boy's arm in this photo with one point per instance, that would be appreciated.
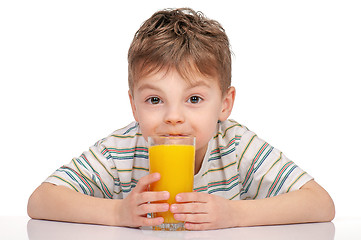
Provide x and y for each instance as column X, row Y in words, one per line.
column 60, row 203
column 311, row 203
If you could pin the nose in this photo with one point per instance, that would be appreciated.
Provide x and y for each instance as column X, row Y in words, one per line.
column 174, row 115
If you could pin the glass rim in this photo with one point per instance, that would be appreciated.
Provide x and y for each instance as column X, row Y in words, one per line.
column 155, row 140
column 171, row 136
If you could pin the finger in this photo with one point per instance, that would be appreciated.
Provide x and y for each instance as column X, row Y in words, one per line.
column 189, row 208
column 192, row 218
column 146, row 197
column 198, row 226
column 192, row 197
column 150, row 208
column 151, row 221
column 144, row 182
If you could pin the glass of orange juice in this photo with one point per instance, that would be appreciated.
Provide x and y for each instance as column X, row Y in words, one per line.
column 173, row 158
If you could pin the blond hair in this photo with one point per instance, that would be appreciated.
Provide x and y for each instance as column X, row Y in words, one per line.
column 184, row 40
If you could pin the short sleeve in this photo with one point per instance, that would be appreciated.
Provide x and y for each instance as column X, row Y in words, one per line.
column 92, row 173
column 265, row 171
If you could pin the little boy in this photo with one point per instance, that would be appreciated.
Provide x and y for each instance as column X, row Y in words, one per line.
column 180, row 84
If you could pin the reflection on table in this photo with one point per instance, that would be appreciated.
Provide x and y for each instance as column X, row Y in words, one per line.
column 40, row 229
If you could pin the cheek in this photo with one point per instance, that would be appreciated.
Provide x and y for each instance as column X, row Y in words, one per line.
column 205, row 130
column 146, row 128
column 147, row 124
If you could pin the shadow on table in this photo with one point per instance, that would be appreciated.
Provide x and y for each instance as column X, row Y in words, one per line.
column 41, row 229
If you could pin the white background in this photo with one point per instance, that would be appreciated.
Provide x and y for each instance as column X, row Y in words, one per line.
column 63, row 72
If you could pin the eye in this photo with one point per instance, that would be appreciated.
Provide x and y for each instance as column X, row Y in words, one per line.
column 154, row 100
column 194, row 99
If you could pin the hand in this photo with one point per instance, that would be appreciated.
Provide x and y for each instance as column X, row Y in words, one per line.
column 202, row 211
column 134, row 208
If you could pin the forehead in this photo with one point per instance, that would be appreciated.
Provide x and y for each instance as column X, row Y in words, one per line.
column 191, row 77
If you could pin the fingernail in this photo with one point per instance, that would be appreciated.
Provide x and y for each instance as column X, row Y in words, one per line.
column 178, row 198
column 173, row 208
column 166, row 194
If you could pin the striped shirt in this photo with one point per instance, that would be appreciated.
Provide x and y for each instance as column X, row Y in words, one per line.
column 237, row 165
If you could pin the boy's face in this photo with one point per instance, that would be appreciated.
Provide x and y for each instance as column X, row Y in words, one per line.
column 164, row 103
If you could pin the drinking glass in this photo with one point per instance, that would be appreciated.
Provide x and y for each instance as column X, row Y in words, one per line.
column 173, row 158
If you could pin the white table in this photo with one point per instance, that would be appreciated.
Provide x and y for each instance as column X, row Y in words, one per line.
column 25, row 228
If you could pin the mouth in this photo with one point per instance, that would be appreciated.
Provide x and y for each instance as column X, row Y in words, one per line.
column 175, row 135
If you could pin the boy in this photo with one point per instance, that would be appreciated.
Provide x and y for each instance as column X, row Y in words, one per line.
column 180, row 84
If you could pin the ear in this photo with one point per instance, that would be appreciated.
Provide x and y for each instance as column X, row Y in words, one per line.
column 134, row 109
column 227, row 104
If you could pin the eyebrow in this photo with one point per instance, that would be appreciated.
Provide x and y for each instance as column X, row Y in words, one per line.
column 148, row 86
column 190, row 85
column 194, row 84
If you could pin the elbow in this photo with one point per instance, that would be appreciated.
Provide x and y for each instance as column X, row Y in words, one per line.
column 326, row 207
column 330, row 210
column 30, row 207
column 32, row 202
column 323, row 207
column 37, row 201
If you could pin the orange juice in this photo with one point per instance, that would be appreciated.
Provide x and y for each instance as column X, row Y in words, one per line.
column 175, row 163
